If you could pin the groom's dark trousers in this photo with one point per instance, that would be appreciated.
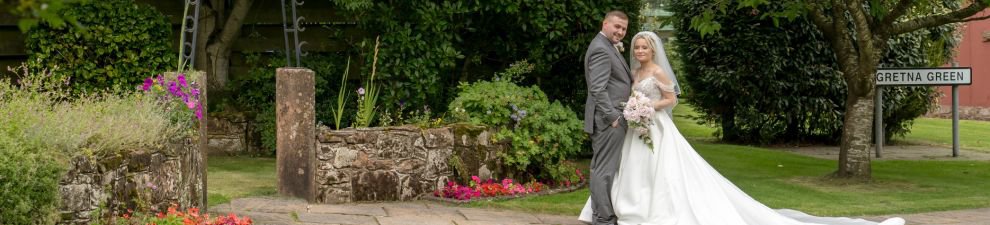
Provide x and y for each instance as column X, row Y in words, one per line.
column 608, row 79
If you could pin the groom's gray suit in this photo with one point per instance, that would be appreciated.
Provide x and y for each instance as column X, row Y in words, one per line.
column 608, row 77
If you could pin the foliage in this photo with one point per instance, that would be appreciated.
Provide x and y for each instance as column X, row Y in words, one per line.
column 428, row 47
column 338, row 110
column 795, row 91
column 32, row 12
column 542, row 134
column 42, row 127
column 40, row 115
column 29, row 179
column 367, row 102
column 119, row 43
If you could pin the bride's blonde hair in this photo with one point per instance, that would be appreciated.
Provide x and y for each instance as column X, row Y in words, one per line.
column 650, row 43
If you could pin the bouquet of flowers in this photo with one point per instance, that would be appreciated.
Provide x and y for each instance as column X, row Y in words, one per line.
column 639, row 113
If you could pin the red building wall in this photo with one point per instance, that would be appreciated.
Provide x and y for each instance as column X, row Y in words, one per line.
column 974, row 51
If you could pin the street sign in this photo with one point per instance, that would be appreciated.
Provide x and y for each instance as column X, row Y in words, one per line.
column 953, row 76
column 924, row 76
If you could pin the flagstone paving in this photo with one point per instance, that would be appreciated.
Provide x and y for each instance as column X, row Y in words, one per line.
column 279, row 211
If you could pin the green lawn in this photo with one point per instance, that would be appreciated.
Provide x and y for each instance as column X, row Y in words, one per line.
column 785, row 180
column 236, row 177
column 688, row 127
column 974, row 135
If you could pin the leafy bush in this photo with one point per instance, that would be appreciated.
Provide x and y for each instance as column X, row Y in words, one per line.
column 28, row 182
column 794, row 92
column 119, row 44
column 42, row 127
column 428, row 47
column 543, row 134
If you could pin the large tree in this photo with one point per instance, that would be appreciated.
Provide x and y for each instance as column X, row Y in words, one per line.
column 857, row 32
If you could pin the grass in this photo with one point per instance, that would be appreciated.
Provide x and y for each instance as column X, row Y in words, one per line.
column 236, row 177
column 785, row 180
column 934, row 131
column 689, row 127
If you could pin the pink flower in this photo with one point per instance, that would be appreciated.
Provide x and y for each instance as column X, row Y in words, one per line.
column 476, row 179
column 639, row 112
column 182, row 80
column 147, row 84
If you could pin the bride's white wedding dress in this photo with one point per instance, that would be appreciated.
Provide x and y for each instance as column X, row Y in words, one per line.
column 672, row 184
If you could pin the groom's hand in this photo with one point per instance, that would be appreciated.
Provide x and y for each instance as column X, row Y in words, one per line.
column 615, row 124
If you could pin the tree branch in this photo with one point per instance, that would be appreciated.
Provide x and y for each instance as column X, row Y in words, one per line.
column 976, row 18
column 937, row 20
column 898, row 11
column 864, row 34
column 817, row 12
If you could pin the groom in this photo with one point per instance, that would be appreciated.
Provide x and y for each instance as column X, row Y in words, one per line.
column 608, row 77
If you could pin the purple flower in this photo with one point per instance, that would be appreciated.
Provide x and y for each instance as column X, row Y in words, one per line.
column 182, row 81
column 194, row 92
column 174, row 89
column 147, row 84
column 360, row 91
column 161, row 80
column 522, row 113
column 514, row 117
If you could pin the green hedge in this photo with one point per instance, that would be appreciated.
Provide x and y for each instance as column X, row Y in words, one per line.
column 119, row 44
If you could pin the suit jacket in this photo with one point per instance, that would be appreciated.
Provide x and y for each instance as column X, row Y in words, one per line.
column 609, row 84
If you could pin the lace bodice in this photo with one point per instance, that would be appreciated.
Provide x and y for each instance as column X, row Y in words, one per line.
column 652, row 88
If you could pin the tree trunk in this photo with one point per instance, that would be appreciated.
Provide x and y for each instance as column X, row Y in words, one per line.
column 219, row 50
column 729, row 132
column 857, row 128
column 854, row 152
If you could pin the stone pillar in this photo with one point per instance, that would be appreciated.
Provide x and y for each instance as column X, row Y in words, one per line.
column 295, row 100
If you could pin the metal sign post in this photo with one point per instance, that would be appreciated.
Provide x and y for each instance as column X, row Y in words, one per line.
column 942, row 76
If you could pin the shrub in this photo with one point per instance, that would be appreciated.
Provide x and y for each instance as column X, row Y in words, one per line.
column 28, row 182
column 543, row 134
column 119, row 44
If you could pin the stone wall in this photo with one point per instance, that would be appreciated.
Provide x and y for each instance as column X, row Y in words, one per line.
column 400, row 163
column 159, row 177
column 234, row 135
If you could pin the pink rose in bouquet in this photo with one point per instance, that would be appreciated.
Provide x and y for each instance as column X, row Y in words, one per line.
column 639, row 113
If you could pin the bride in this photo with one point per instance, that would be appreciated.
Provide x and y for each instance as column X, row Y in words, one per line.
column 668, row 182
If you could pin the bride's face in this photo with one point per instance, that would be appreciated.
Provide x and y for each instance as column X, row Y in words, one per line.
column 642, row 51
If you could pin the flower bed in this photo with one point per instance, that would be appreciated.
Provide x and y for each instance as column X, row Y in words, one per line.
column 492, row 189
column 191, row 216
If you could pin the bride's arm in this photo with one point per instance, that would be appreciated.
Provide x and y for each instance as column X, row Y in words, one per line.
column 669, row 98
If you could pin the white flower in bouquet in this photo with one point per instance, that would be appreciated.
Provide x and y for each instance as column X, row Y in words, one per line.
column 639, row 113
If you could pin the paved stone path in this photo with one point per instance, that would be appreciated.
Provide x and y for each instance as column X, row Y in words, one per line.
column 279, row 211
